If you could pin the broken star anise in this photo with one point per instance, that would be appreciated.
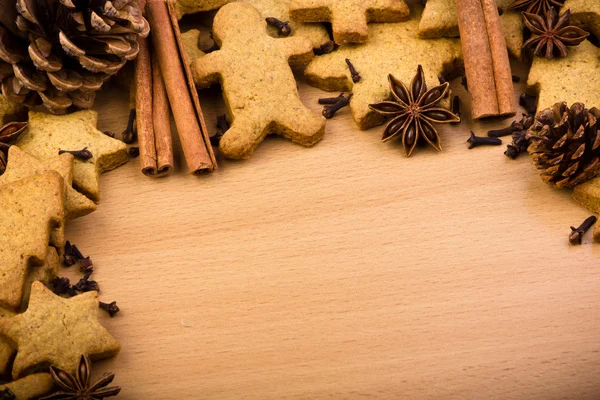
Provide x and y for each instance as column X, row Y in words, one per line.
column 415, row 111
column 79, row 387
column 552, row 34
column 539, row 7
column 9, row 134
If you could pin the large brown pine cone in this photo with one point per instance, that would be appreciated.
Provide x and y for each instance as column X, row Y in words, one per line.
column 60, row 52
column 565, row 144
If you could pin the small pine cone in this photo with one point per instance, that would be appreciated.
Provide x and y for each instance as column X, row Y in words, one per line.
column 565, row 144
column 59, row 53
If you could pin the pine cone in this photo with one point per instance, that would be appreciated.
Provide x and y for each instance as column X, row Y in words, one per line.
column 565, row 143
column 60, row 52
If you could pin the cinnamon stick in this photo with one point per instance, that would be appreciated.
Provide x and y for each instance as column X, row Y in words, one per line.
column 197, row 153
column 502, row 72
column 161, row 114
column 143, row 101
column 486, row 59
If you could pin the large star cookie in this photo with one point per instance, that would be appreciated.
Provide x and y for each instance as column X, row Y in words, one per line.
column 57, row 331
column 392, row 49
column 21, row 165
column 31, row 386
column 571, row 79
column 32, row 218
column 585, row 14
column 349, row 18
column 47, row 134
column 258, row 83
column 440, row 19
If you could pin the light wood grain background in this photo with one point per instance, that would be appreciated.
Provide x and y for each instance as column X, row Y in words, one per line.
column 345, row 271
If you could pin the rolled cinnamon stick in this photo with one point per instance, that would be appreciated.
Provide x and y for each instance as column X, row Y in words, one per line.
column 502, row 73
column 143, row 101
column 486, row 58
column 196, row 152
column 161, row 114
column 479, row 67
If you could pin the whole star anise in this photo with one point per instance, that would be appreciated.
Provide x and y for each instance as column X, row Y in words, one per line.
column 415, row 111
column 79, row 387
column 551, row 35
column 539, row 7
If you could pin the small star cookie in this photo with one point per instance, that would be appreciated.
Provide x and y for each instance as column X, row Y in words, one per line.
column 184, row 7
column 47, row 134
column 31, row 386
column 349, row 18
column 548, row 78
column 32, row 217
column 258, row 83
column 21, row 165
column 6, row 350
column 440, row 19
column 391, row 49
column 57, row 331
column 584, row 14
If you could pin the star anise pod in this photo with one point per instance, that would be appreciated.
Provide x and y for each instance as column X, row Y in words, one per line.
column 415, row 111
column 551, row 35
column 79, row 387
column 9, row 134
column 539, row 7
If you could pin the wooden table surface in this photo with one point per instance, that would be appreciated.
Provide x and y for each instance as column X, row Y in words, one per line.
column 345, row 271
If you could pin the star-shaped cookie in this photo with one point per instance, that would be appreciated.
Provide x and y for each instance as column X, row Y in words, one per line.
column 44, row 274
column 571, row 79
column 21, row 165
column 57, row 331
column 31, row 386
column 6, row 350
column 47, row 134
column 392, row 49
column 349, row 18
column 184, row 7
column 32, row 217
column 585, row 14
column 440, row 19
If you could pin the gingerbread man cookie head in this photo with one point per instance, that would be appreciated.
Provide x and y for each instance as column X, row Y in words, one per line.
column 235, row 24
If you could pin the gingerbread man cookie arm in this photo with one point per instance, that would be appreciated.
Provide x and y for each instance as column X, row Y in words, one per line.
column 299, row 50
column 330, row 72
column 208, row 69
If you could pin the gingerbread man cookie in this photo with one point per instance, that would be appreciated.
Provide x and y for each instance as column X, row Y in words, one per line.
column 349, row 18
column 258, row 84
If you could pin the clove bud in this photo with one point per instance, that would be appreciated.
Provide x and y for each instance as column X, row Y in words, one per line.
column 283, row 27
column 576, row 235
column 83, row 154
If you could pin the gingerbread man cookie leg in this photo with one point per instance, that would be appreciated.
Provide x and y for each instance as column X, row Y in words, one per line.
column 258, row 84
